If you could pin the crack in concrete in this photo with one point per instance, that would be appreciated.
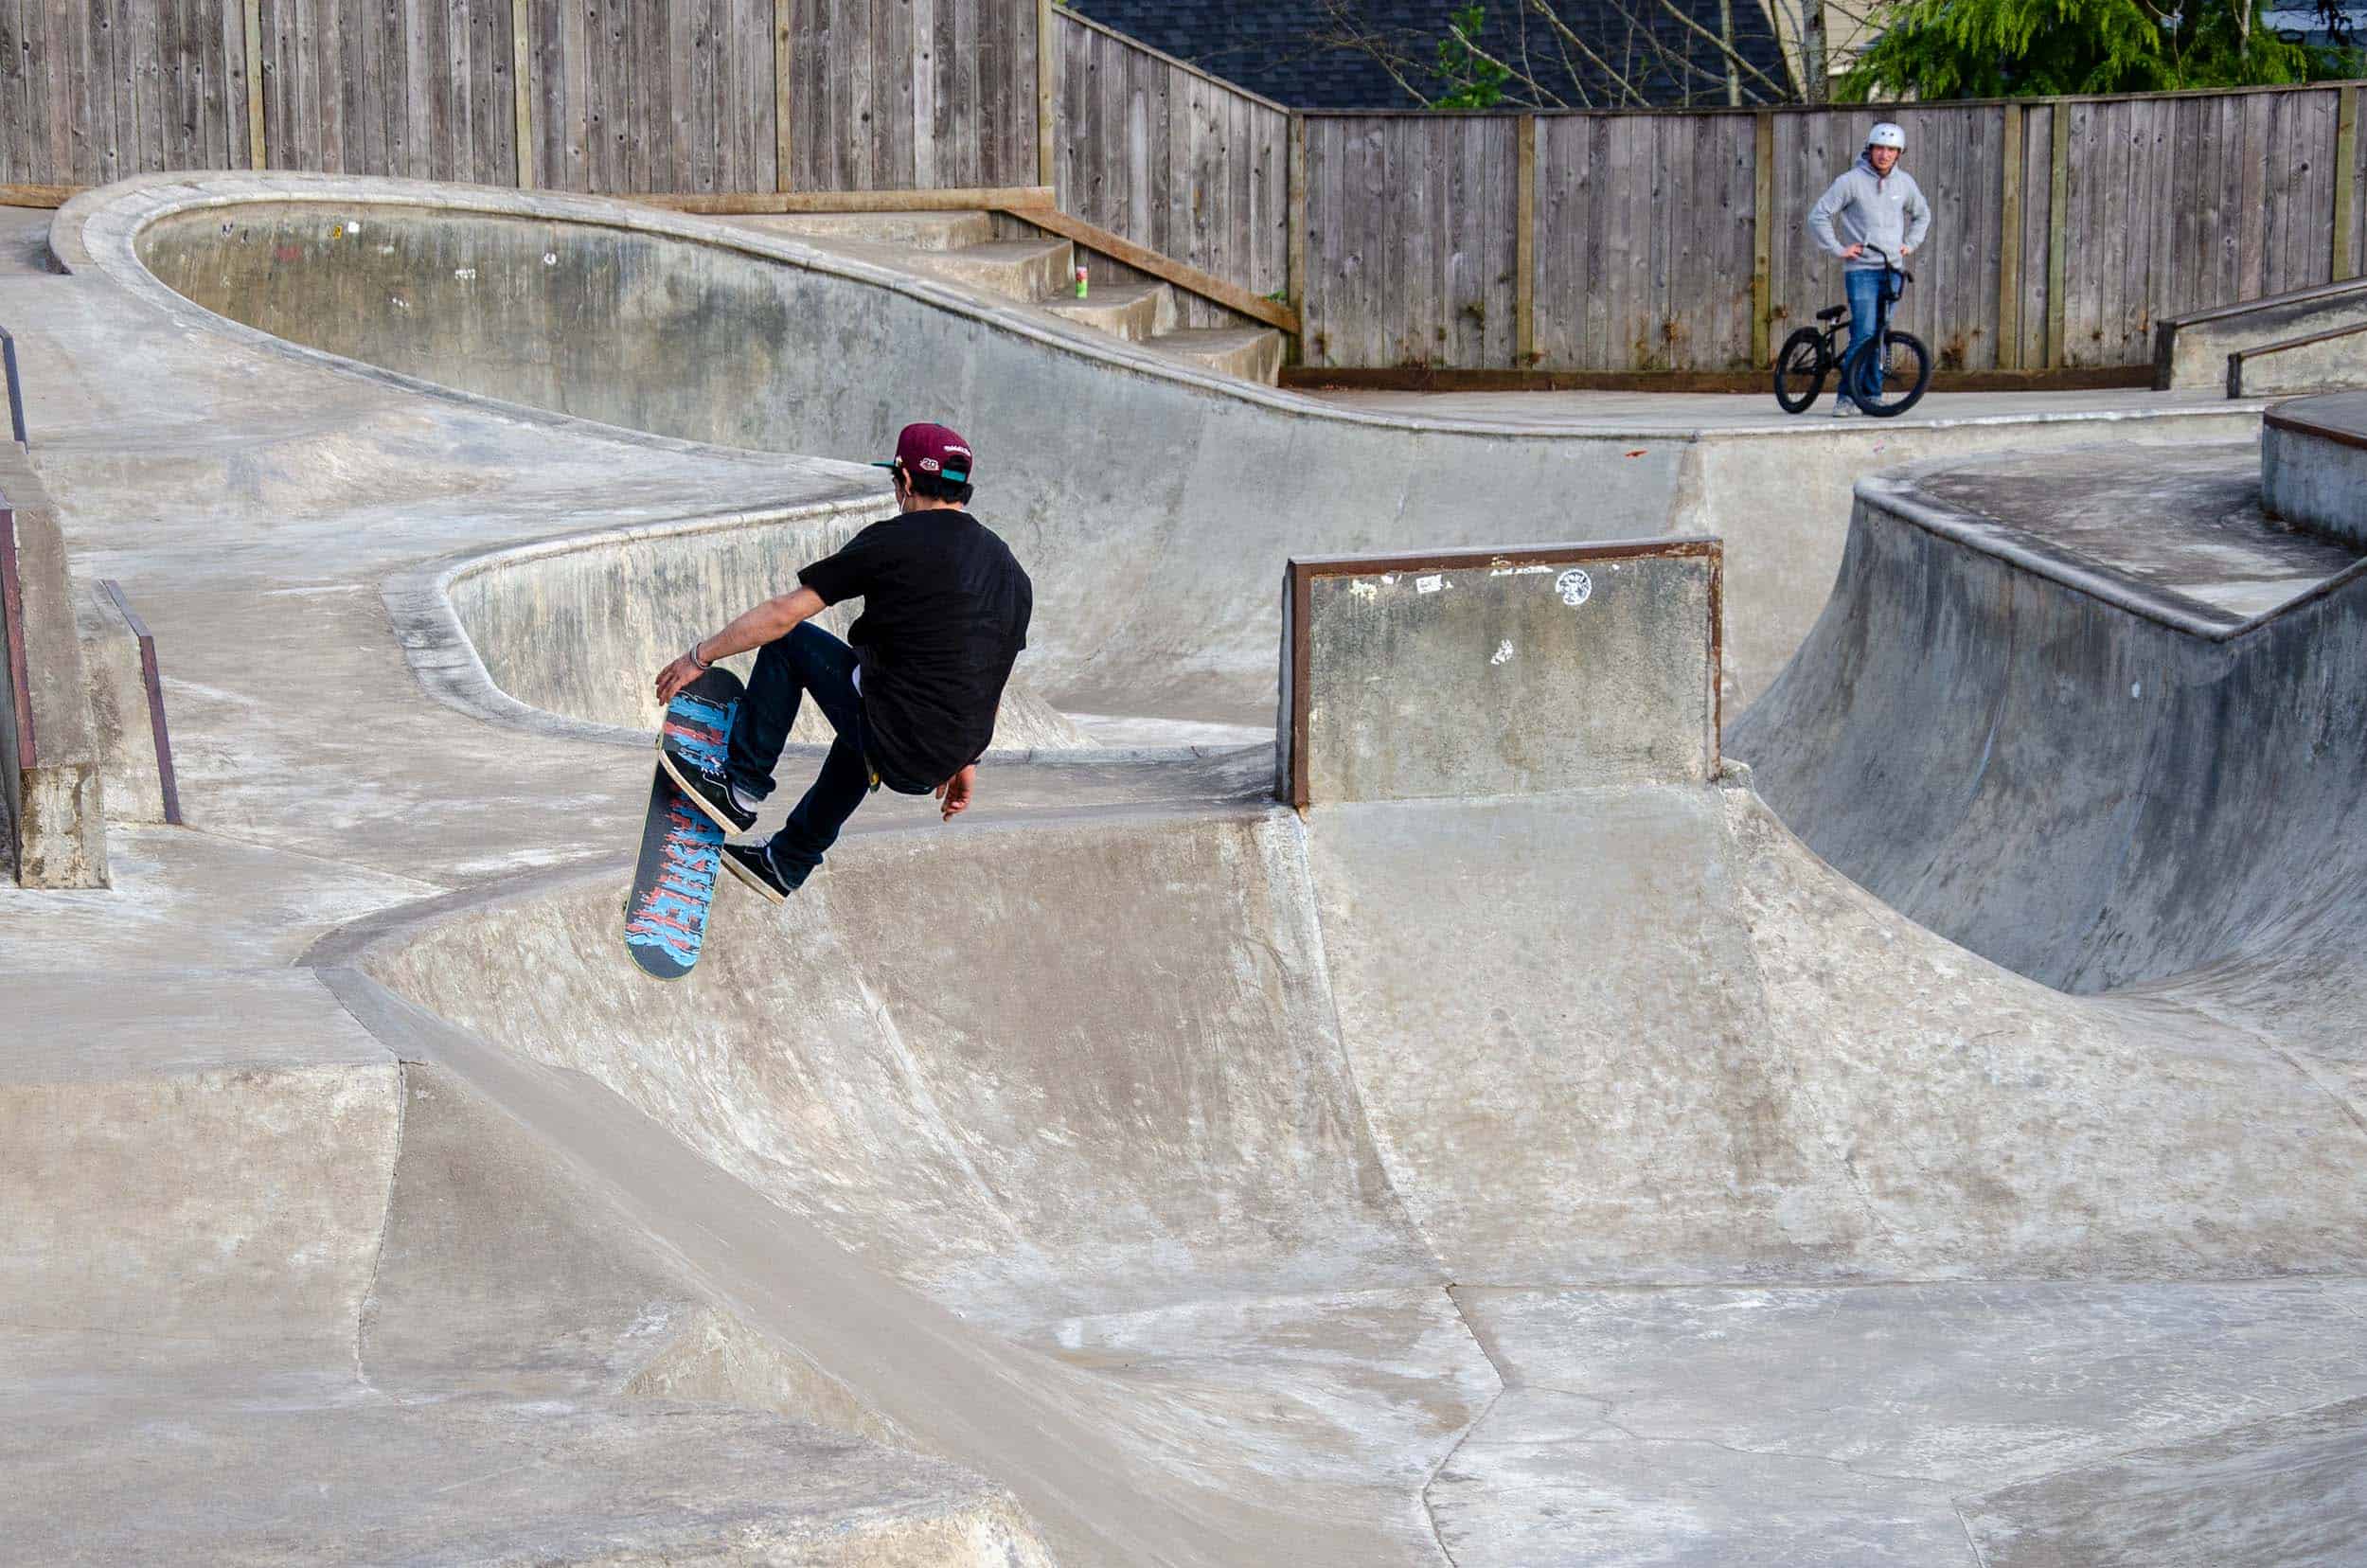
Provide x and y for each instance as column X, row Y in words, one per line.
column 385, row 1223
column 1972, row 1544
column 1302, row 868
column 2273, row 1046
column 1503, row 1386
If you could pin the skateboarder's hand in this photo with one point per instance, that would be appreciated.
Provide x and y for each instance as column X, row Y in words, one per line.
column 954, row 793
column 674, row 677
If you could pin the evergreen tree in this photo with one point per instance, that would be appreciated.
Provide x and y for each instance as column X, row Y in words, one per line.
column 2009, row 49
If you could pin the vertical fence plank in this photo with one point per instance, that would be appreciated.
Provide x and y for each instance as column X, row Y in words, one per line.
column 1762, row 235
column 1045, row 68
column 257, row 149
column 1524, row 249
column 522, row 96
column 2058, row 201
column 784, row 162
column 2009, row 241
column 1298, row 221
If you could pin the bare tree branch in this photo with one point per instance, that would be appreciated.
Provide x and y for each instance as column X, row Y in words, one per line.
column 1719, row 44
column 1570, row 38
column 1539, row 88
column 1353, row 37
column 1681, row 69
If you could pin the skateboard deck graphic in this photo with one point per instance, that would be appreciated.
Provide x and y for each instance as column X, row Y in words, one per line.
column 674, row 883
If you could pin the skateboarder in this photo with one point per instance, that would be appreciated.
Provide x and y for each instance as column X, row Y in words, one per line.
column 945, row 614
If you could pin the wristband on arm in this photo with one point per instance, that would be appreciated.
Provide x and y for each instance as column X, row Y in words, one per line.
column 703, row 666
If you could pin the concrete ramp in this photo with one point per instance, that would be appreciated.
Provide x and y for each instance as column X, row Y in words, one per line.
column 1221, row 1164
column 2090, row 715
column 1229, row 1119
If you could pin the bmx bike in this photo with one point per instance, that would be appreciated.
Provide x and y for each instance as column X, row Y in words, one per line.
column 1886, row 376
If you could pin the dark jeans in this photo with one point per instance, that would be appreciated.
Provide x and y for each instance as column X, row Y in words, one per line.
column 809, row 661
column 1865, row 298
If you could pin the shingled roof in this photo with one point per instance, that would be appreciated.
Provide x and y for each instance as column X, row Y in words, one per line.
column 1294, row 51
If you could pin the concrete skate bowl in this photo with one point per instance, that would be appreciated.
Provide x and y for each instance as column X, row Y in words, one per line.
column 573, row 628
column 2095, row 717
column 1154, row 504
column 1361, row 1185
column 1243, row 1142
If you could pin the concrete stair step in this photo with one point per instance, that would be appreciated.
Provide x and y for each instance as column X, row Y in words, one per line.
column 1134, row 311
column 1252, row 353
column 1029, row 271
column 921, row 231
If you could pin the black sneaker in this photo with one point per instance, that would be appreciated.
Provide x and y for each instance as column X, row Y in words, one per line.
column 709, row 792
column 753, row 863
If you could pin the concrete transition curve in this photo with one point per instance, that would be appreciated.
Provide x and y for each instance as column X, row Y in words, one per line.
column 1159, row 503
column 1521, row 1149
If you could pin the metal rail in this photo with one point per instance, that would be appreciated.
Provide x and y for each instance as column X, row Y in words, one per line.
column 16, row 390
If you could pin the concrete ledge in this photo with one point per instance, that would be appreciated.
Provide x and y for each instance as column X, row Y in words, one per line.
column 2191, row 351
column 128, row 707
column 49, row 748
column 2313, row 465
column 221, row 1177
column 2319, row 361
column 1499, row 672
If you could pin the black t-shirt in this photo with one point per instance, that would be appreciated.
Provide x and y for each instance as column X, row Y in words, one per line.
column 944, row 613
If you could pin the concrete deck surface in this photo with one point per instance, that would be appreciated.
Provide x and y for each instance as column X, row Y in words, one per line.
column 1134, row 1171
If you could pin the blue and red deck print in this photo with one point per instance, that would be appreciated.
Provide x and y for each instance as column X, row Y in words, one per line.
column 666, row 924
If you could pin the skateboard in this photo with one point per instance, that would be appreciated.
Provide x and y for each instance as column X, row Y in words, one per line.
column 674, row 883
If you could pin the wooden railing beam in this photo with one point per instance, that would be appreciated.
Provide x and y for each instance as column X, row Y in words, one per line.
column 1166, row 269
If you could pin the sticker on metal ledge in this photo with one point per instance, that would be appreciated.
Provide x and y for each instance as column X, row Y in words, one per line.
column 1429, row 584
column 1575, row 587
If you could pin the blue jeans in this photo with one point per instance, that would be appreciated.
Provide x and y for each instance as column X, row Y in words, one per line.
column 807, row 662
column 1865, row 298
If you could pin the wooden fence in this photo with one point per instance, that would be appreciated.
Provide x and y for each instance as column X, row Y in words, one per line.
column 1171, row 158
column 1677, row 241
column 1581, row 242
column 615, row 96
column 2062, row 228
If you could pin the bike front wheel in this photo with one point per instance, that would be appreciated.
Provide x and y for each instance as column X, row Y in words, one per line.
column 1889, row 374
column 1799, row 370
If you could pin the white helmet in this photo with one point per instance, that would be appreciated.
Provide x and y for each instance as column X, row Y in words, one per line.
column 1887, row 135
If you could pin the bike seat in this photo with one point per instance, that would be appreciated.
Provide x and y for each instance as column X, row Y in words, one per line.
column 1833, row 313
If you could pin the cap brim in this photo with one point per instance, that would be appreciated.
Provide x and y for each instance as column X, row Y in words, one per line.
column 886, row 462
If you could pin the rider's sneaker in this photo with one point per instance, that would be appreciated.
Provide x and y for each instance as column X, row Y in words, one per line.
column 1843, row 408
column 753, row 863
column 709, row 791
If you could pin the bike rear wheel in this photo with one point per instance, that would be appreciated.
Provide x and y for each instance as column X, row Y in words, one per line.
column 1905, row 368
column 1799, row 369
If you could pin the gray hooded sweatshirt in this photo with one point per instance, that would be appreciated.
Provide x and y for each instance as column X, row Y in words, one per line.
column 1864, row 208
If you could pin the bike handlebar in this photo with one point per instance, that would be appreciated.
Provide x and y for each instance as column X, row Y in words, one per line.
column 1887, row 259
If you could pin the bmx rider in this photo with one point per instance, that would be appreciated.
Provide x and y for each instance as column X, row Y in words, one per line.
column 1875, row 206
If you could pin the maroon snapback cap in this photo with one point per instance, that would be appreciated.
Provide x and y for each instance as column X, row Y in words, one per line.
column 931, row 448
